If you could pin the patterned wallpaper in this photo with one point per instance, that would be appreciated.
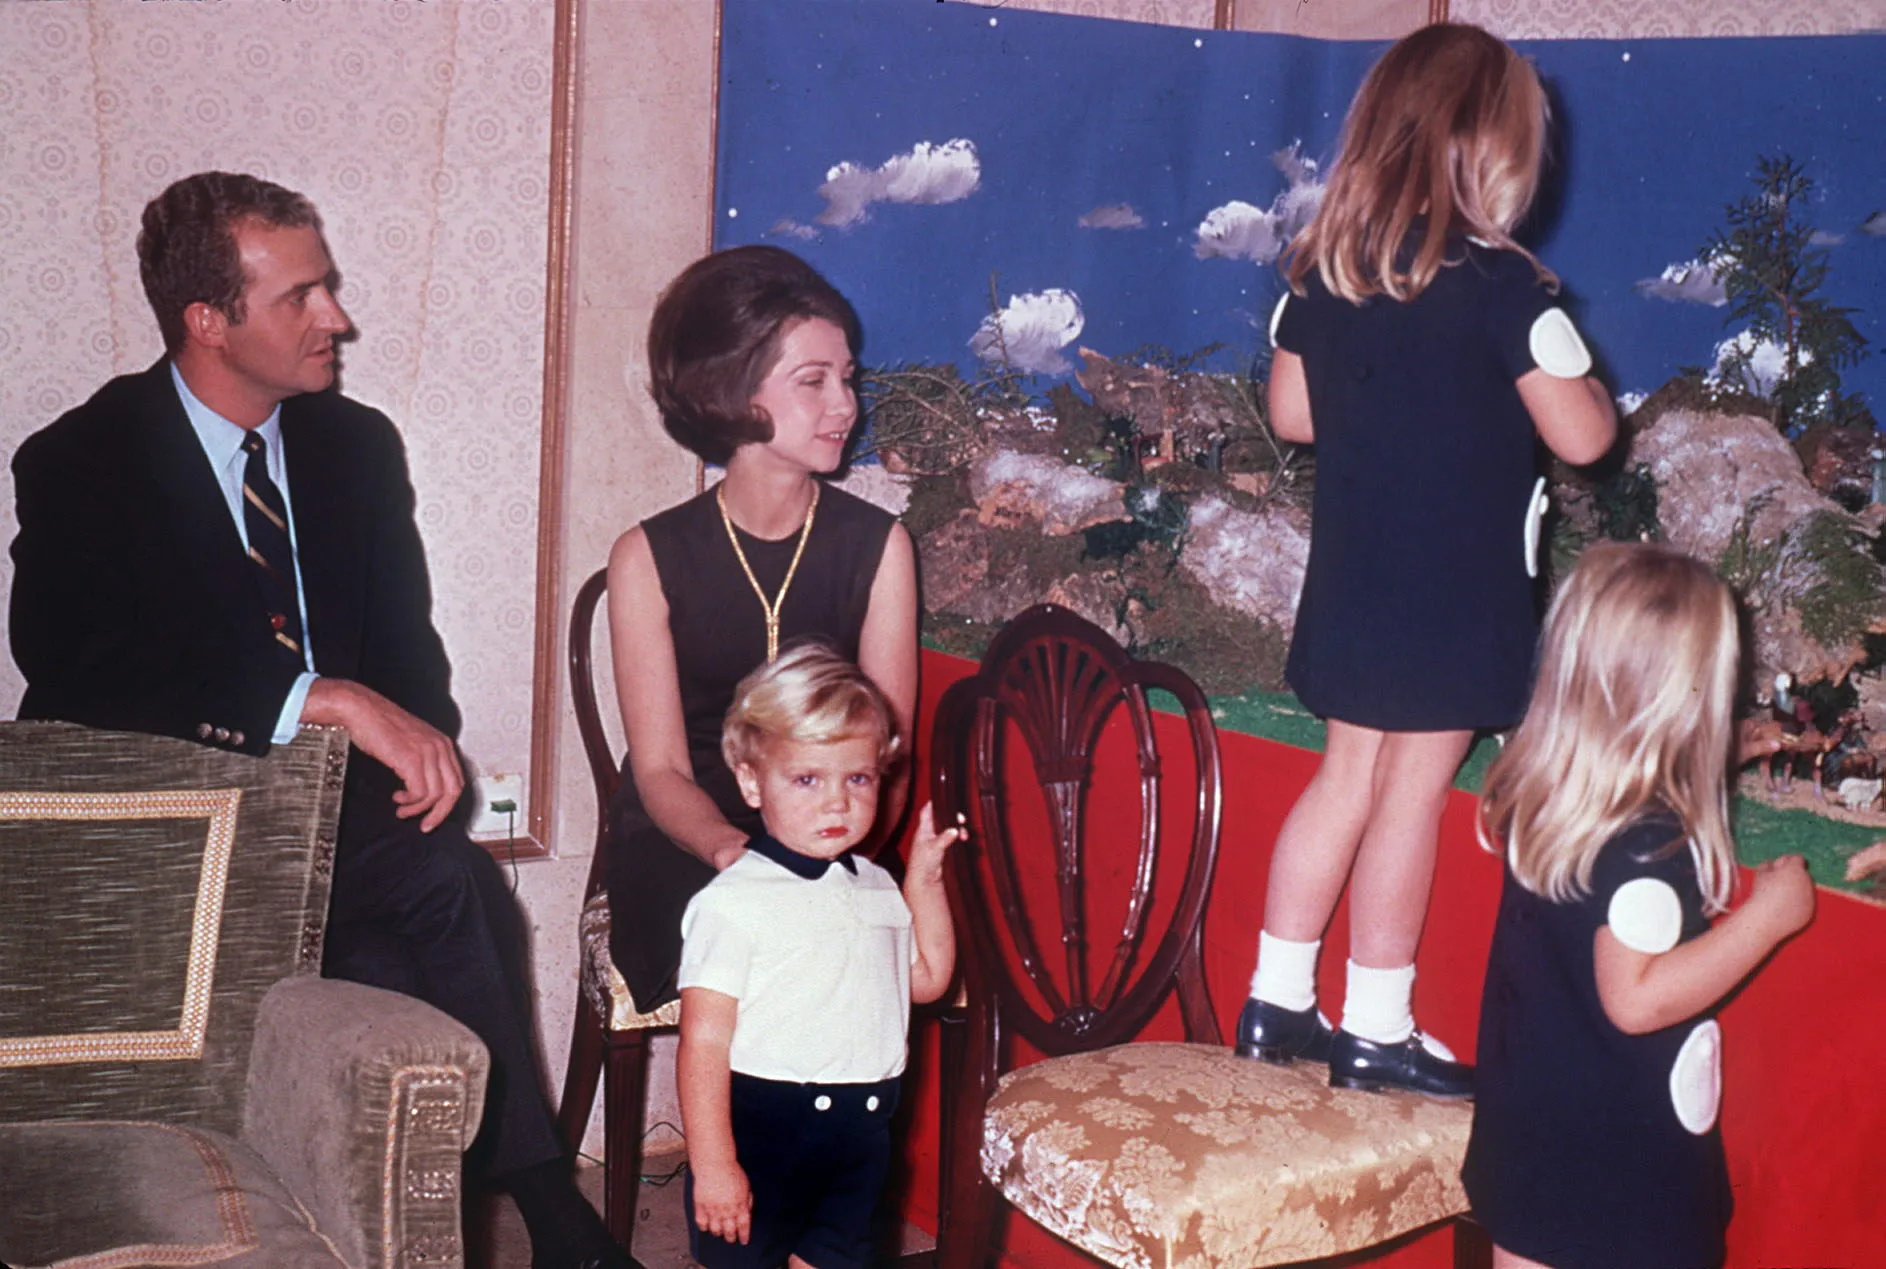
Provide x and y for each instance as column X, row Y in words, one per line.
column 1513, row 19
column 421, row 131
column 1194, row 13
column 1654, row 19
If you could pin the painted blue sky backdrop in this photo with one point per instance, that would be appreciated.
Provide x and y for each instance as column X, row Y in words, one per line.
column 1077, row 160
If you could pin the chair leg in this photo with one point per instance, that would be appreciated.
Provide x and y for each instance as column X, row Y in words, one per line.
column 965, row 1242
column 952, row 1049
column 1472, row 1248
column 580, row 1075
column 625, row 1097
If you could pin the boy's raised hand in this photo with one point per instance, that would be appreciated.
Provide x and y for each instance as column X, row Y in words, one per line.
column 928, row 847
column 723, row 1203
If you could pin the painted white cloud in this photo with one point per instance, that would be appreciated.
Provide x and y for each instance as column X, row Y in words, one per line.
column 1765, row 367
column 1113, row 216
column 1031, row 332
column 929, row 173
column 1692, row 282
column 1239, row 230
column 1874, row 226
column 1822, row 238
column 786, row 227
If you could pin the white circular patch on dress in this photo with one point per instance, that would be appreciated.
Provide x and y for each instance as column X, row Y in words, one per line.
column 1646, row 916
column 1696, row 1078
column 1277, row 317
column 1535, row 518
column 1556, row 346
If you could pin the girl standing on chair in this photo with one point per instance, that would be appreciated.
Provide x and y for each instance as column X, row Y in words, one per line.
column 752, row 363
column 1594, row 1141
column 1422, row 351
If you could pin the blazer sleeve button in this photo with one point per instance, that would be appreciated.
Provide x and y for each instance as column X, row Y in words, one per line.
column 236, row 737
column 222, row 735
column 204, row 731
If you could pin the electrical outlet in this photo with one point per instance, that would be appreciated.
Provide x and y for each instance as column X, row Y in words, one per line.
column 499, row 806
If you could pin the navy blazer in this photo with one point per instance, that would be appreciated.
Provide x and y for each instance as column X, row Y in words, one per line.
column 134, row 606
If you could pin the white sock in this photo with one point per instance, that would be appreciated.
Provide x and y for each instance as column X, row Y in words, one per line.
column 1379, row 1003
column 1286, row 971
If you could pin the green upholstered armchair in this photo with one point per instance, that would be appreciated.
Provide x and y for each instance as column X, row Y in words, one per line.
column 178, row 1086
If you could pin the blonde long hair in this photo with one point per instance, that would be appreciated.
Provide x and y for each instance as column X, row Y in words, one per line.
column 1449, row 125
column 1633, row 707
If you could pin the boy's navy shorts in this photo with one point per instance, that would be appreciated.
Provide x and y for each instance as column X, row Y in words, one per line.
column 816, row 1156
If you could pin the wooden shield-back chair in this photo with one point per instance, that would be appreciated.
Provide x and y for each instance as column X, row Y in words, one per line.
column 610, row 1031
column 1079, row 920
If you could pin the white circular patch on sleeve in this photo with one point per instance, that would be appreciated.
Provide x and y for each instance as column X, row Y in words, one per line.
column 1646, row 916
column 1277, row 317
column 1556, row 346
column 1696, row 1078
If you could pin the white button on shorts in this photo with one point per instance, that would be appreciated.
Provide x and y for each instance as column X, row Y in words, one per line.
column 821, row 1102
column 870, row 1103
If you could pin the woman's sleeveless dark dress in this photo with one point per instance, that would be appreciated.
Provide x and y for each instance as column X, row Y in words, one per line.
column 719, row 633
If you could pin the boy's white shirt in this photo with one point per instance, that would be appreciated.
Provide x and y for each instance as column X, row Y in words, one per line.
column 820, row 968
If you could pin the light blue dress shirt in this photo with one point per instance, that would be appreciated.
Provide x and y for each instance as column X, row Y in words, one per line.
column 222, row 446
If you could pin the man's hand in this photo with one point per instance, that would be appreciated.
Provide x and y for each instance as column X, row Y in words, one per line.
column 423, row 757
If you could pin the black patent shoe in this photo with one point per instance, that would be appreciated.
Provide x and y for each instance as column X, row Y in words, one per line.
column 1272, row 1033
column 1410, row 1066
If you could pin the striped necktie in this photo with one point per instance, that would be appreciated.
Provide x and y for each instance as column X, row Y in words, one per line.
column 265, row 516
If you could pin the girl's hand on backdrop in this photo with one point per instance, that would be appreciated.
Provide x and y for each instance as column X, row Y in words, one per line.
column 1783, row 895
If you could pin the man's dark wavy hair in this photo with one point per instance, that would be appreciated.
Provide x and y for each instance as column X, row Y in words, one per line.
column 187, row 247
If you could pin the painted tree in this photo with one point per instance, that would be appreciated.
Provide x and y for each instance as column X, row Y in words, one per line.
column 1798, row 342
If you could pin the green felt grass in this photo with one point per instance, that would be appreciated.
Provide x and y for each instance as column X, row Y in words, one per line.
column 1762, row 832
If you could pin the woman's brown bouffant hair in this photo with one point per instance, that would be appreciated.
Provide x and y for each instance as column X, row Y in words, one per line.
column 1449, row 126
column 716, row 333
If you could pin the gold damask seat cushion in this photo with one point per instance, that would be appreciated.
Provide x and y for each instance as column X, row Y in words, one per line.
column 1155, row 1156
column 602, row 984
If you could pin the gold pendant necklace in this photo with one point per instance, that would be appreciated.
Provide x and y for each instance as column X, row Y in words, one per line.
column 771, row 608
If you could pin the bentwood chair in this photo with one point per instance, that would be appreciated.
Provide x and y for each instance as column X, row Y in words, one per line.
column 1080, row 917
column 610, row 1040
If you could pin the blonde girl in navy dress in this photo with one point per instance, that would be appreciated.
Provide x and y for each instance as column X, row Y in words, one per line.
column 1595, row 1143
column 1422, row 351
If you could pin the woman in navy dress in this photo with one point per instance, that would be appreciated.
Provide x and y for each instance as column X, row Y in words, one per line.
column 1421, row 351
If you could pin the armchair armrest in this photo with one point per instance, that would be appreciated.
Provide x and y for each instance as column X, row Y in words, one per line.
column 363, row 1101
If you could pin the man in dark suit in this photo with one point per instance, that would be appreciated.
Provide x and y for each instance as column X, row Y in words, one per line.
column 223, row 548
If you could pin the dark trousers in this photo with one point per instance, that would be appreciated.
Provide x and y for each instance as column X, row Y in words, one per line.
column 431, row 915
column 816, row 1157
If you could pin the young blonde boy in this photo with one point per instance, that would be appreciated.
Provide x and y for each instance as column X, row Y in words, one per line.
column 798, row 967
